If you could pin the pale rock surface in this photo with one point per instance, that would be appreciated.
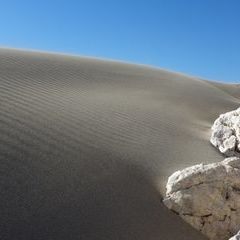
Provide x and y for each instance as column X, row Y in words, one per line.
column 208, row 197
column 236, row 237
column 226, row 133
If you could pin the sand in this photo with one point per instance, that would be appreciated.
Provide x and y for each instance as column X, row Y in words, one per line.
column 87, row 145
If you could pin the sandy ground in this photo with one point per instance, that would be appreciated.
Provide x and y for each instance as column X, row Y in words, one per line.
column 86, row 146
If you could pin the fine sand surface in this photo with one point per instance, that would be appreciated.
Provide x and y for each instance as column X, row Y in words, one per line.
column 86, row 146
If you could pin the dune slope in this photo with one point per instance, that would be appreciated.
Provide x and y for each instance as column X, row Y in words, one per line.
column 86, row 145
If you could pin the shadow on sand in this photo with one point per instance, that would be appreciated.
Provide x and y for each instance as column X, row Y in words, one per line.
column 120, row 203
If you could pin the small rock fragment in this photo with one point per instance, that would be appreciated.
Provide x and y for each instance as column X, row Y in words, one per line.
column 226, row 133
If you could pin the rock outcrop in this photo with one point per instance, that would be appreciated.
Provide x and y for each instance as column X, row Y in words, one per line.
column 208, row 197
column 226, row 133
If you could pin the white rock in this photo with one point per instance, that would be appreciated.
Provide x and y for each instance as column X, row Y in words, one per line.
column 208, row 197
column 236, row 237
column 226, row 133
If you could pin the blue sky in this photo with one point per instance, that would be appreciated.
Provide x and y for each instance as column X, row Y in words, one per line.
column 197, row 37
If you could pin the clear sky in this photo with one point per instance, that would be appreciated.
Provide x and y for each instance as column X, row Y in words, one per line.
column 197, row 37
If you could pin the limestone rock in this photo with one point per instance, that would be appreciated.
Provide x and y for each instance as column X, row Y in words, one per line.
column 226, row 133
column 208, row 197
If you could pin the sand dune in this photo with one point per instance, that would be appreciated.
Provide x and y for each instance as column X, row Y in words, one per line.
column 86, row 145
